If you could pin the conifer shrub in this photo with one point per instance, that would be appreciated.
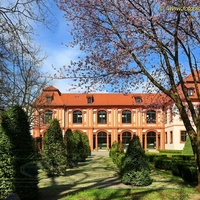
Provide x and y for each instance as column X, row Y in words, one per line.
column 135, row 168
column 187, row 149
column 77, row 145
column 116, row 153
column 17, row 129
column 54, row 155
column 7, row 170
column 86, row 151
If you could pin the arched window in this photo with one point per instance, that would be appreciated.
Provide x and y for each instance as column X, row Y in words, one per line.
column 102, row 117
column 77, row 117
column 126, row 116
column 151, row 116
column 48, row 114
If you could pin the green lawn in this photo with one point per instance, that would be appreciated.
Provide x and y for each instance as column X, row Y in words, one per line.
column 136, row 194
column 97, row 179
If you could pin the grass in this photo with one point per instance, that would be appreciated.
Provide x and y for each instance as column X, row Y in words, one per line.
column 128, row 194
column 97, row 179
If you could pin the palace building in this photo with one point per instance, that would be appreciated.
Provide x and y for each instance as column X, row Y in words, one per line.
column 109, row 117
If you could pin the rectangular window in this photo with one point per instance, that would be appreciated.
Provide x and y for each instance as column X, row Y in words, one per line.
column 183, row 136
column 171, row 137
column 165, row 117
column 171, row 115
column 165, row 137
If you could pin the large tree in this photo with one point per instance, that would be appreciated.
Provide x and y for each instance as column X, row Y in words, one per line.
column 20, row 60
column 128, row 42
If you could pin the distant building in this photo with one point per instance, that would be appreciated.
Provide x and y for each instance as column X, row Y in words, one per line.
column 109, row 117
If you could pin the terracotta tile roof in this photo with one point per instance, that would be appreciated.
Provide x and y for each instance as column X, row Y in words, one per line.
column 189, row 78
column 108, row 99
column 104, row 99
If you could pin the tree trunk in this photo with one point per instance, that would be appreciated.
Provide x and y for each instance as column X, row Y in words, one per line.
column 197, row 157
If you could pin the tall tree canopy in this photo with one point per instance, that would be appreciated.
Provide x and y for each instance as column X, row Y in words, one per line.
column 20, row 60
column 128, row 42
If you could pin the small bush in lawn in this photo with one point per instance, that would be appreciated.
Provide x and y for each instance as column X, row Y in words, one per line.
column 135, row 164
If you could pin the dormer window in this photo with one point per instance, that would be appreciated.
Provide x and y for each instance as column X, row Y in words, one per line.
column 190, row 91
column 89, row 99
column 48, row 99
column 138, row 100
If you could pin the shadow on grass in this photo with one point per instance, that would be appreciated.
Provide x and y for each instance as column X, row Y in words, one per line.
column 94, row 174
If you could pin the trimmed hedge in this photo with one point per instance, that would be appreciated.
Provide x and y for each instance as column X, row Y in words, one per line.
column 170, row 151
column 187, row 171
column 161, row 163
column 181, row 165
column 152, row 156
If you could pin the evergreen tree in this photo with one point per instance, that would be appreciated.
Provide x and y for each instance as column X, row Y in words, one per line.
column 54, row 154
column 7, row 171
column 77, row 145
column 135, row 169
column 16, row 127
column 71, row 148
column 82, row 143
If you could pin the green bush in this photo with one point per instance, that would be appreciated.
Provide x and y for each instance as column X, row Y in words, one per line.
column 82, row 145
column 136, row 178
column 183, row 157
column 170, row 151
column 187, row 149
column 86, row 147
column 134, row 164
column 17, row 129
column 7, row 170
column 186, row 170
column 77, row 145
column 161, row 163
column 115, row 151
column 119, row 160
column 54, row 155
column 152, row 156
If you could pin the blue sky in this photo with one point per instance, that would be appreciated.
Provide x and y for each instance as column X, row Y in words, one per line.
column 53, row 44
